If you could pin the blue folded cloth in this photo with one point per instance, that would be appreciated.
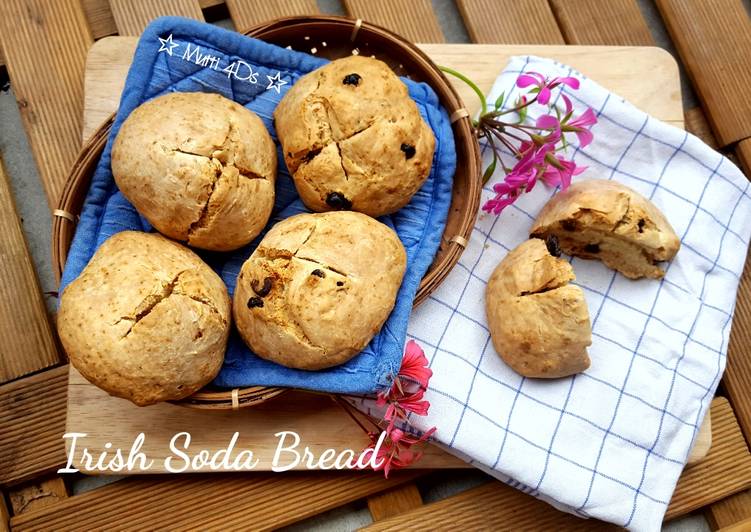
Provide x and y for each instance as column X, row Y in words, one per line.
column 176, row 54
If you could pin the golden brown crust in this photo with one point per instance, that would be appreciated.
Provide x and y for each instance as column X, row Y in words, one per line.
column 318, row 288
column 539, row 324
column 603, row 219
column 201, row 168
column 364, row 139
column 146, row 320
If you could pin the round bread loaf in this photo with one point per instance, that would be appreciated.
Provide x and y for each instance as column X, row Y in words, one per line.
column 199, row 167
column 603, row 219
column 318, row 288
column 539, row 324
column 146, row 320
column 353, row 139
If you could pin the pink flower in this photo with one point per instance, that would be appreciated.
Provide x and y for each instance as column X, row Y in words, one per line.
column 560, row 171
column 544, row 85
column 581, row 125
column 405, row 396
column 522, row 177
column 536, row 146
column 415, row 403
column 415, row 365
column 396, row 449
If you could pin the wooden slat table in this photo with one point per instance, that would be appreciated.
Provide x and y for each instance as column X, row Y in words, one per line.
column 32, row 420
column 248, row 13
column 131, row 17
column 499, row 21
column 45, row 44
column 412, row 19
column 713, row 38
column 28, row 344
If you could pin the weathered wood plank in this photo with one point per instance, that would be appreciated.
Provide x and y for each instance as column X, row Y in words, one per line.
column 38, row 494
column 4, row 514
column 492, row 506
column 262, row 501
column 248, row 13
column 737, row 378
column 45, row 44
column 132, row 16
column 394, row 502
column 32, row 422
column 412, row 19
column 743, row 151
column 510, row 21
column 617, row 22
column 729, row 511
column 99, row 15
column 725, row 470
column 28, row 343
column 742, row 526
column 713, row 38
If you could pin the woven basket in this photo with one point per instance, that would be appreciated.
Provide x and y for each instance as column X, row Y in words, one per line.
column 329, row 37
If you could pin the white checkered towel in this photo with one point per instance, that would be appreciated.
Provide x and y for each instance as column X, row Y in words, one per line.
column 610, row 442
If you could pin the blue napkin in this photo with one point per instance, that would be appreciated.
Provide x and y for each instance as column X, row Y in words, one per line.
column 176, row 54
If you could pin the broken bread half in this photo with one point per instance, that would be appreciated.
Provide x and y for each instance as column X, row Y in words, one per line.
column 603, row 219
column 539, row 323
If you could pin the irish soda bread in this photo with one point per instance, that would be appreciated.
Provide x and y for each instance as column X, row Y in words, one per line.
column 199, row 167
column 603, row 219
column 146, row 320
column 353, row 139
column 539, row 323
column 318, row 288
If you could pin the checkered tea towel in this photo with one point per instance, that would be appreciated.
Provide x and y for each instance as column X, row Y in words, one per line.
column 610, row 442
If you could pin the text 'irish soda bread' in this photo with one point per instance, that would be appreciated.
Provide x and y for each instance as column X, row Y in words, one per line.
column 603, row 219
column 199, row 167
column 146, row 320
column 539, row 323
column 318, row 288
column 353, row 139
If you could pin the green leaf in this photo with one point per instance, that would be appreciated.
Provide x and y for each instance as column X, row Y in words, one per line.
column 499, row 100
column 489, row 170
column 522, row 115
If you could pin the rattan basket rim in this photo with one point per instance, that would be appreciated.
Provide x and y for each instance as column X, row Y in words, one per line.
column 462, row 213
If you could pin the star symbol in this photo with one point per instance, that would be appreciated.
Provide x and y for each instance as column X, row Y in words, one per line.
column 276, row 82
column 166, row 45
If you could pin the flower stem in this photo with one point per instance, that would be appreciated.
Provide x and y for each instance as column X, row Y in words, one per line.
column 347, row 408
column 472, row 85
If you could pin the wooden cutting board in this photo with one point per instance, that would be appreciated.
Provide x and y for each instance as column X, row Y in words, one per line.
column 320, row 423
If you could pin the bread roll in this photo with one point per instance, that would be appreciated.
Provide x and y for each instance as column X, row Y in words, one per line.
column 199, row 167
column 146, row 320
column 353, row 139
column 318, row 288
